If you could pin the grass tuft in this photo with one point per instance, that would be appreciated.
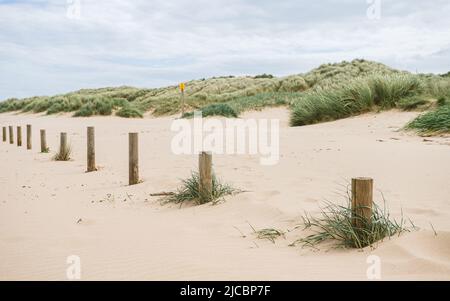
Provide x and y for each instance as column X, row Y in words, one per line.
column 433, row 122
column 190, row 192
column 85, row 111
column 269, row 234
column 102, row 107
column 63, row 154
column 46, row 150
column 129, row 111
column 335, row 224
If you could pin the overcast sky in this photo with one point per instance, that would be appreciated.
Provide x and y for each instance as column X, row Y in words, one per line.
column 55, row 46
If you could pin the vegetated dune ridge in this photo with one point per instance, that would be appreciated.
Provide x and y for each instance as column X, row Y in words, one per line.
column 345, row 88
column 50, row 210
column 329, row 92
column 165, row 100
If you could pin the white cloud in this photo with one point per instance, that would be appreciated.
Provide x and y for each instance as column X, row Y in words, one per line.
column 154, row 43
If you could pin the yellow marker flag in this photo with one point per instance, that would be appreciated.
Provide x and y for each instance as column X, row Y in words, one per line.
column 182, row 86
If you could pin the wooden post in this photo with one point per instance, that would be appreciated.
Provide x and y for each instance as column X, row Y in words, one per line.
column 28, row 136
column 19, row 136
column 362, row 200
column 43, row 142
column 91, row 149
column 4, row 134
column 205, row 173
column 133, row 166
column 11, row 135
column 63, row 143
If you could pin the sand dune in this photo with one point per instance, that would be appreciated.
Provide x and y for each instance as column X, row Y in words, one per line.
column 50, row 210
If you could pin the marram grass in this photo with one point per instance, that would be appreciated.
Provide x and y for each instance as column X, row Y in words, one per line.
column 199, row 93
column 129, row 111
column 236, row 106
column 335, row 223
column 190, row 192
column 354, row 97
column 63, row 154
column 328, row 92
column 413, row 103
column 433, row 122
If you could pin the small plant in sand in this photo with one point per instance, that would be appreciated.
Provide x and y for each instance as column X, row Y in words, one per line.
column 337, row 223
column 190, row 192
column 270, row 234
column 46, row 150
column 63, row 154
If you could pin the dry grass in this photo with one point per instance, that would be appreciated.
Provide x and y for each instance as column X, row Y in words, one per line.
column 63, row 154
column 269, row 234
column 190, row 192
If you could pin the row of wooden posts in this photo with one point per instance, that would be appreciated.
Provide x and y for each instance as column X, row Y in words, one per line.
column 19, row 135
column 205, row 158
column 362, row 188
column 29, row 135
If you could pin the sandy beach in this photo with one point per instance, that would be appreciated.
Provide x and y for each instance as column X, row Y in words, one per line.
column 50, row 210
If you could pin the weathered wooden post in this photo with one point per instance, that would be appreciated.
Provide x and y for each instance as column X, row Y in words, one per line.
column 28, row 136
column 63, row 143
column 91, row 149
column 362, row 200
column 133, row 166
column 205, row 174
column 11, row 135
column 63, row 153
column 19, row 136
column 43, row 142
column 4, row 134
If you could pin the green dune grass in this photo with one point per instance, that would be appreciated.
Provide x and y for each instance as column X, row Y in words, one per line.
column 433, row 122
column 355, row 97
column 329, row 92
column 198, row 94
